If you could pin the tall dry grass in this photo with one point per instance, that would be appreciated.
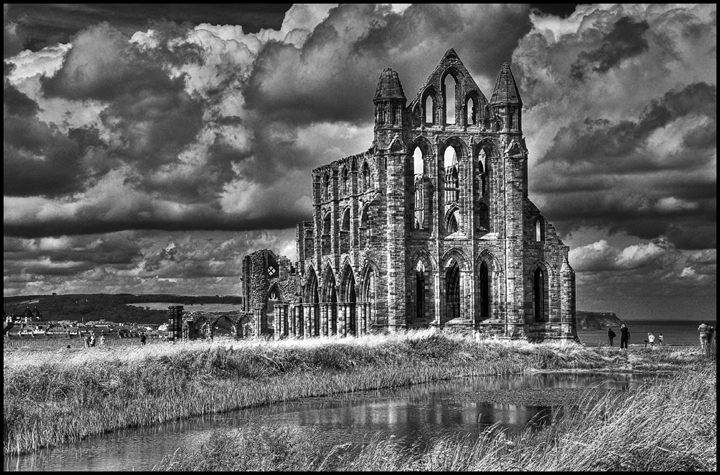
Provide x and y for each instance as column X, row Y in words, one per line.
column 667, row 425
column 59, row 396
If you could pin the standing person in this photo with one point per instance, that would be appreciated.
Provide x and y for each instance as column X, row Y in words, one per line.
column 710, row 332
column 611, row 335
column 87, row 341
column 660, row 339
column 102, row 340
column 703, row 335
column 142, row 338
column 624, row 336
column 92, row 339
column 651, row 339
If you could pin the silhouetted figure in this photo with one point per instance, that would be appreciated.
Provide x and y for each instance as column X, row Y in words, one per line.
column 611, row 335
column 624, row 336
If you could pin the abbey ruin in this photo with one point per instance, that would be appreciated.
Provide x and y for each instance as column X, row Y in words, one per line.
column 430, row 227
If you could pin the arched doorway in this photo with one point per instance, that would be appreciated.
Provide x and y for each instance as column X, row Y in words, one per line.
column 484, row 282
column 452, row 290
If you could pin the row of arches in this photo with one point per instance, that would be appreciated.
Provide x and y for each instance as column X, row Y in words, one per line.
column 348, row 173
column 454, row 289
column 344, row 309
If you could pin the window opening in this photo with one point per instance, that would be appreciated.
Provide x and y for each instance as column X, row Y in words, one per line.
column 429, row 109
column 452, row 184
column 449, row 91
column 452, row 291
column 366, row 177
column 539, row 291
column 484, row 292
column 420, row 290
column 539, row 231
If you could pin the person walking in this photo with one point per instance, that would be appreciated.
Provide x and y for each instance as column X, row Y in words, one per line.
column 87, row 341
column 624, row 336
column 142, row 338
column 102, row 340
column 611, row 335
column 92, row 339
column 651, row 339
column 703, row 335
column 660, row 339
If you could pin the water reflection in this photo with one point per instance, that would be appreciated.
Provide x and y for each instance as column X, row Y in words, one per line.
column 416, row 414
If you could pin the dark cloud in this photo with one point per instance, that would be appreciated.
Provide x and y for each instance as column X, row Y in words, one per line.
column 334, row 75
column 625, row 40
column 38, row 159
column 601, row 146
column 48, row 24
column 12, row 41
column 151, row 113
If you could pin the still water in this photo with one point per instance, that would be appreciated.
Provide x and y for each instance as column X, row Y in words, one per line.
column 415, row 414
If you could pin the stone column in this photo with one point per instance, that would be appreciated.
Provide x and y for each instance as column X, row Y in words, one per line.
column 311, row 316
column 342, row 314
column 306, row 321
column 277, row 314
column 257, row 311
column 323, row 319
column 360, row 309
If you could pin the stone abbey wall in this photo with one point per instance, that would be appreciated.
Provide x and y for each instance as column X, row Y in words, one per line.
column 431, row 226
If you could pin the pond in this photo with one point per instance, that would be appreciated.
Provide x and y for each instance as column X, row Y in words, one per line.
column 414, row 414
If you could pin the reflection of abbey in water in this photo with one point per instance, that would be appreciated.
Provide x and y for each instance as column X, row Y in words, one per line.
column 432, row 226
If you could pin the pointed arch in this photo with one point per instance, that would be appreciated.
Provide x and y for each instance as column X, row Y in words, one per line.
column 452, row 220
column 348, row 297
column 366, row 177
column 397, row 145
column 539, row 228
column 429, row 100
column 421, row 277
column 450, row 93
column 473, row 109
column 540, row 294
column 345, row 176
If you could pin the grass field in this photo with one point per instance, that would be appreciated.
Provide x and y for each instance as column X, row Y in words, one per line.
column 57, row 395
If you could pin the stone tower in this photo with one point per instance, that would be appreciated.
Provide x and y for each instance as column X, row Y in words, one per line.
column 433, row 226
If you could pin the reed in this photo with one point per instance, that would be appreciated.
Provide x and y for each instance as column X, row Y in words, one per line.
column 669, row 424
column 58, row 396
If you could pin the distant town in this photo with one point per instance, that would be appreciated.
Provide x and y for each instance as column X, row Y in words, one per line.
column 114, row 316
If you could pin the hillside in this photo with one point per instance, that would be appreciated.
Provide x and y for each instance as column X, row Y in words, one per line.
column 597, row 320
column 109, row 307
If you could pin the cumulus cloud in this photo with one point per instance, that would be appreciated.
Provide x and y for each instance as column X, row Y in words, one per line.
column 633, row 146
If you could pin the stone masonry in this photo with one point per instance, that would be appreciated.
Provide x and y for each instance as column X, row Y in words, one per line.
column 431, row 226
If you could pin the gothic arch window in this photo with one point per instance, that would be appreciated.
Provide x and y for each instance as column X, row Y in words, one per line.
column 326, row 236
column 345, row 181
column 430, row 109
column 452, row 290
column 452, row 182
column 485, row 287
column 326, row 186
column 420, row 278
column 345, row 220
column 449, row 98
column 539, row 294
column 472, row 109
column 366, row 224
column 365, row 177
column 419, row 172
column 539, row 230
column 482, row 177
column 483, row 217
column 452, row 222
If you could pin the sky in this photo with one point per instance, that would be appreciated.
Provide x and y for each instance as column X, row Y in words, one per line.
column 149, row 147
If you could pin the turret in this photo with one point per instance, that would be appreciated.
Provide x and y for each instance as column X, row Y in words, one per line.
column 506, row 104
column 389, row 101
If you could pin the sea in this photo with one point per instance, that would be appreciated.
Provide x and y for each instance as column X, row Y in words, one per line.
column 675, row 333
